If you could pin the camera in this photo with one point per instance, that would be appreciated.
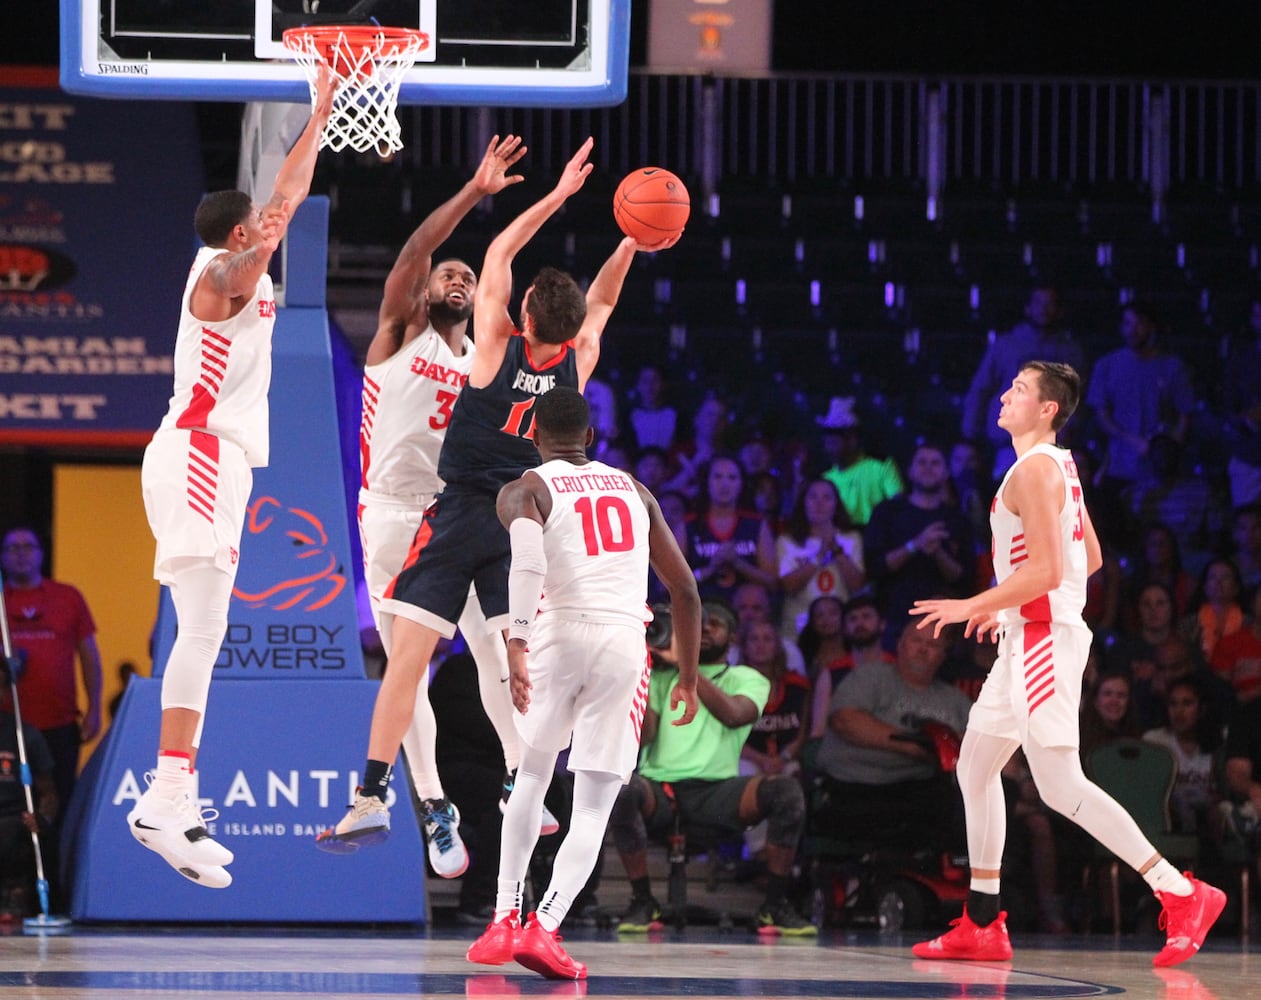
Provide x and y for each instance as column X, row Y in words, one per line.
column 661, row 629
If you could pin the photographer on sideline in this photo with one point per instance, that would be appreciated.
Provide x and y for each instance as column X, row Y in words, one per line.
column 701, row 765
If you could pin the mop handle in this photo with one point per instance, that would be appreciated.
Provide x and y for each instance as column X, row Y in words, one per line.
column 17, row 710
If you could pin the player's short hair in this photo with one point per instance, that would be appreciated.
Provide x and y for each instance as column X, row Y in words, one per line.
column 557, row 306
column 218, row 213
column 561, row 412
column 1057, row 383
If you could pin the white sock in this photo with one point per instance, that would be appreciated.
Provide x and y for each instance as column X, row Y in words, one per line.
column 508, row 898
column 552, row 911
column 172, row 775
column 989, row 886
column 1164, row 877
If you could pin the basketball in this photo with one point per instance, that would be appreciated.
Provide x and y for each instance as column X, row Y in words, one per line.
column 651, row 205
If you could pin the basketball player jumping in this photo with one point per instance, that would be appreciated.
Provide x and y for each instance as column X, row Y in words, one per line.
column 416, row 365
column 583, row 534
column 488, row 444
column 196, row 478
column 1045, row 547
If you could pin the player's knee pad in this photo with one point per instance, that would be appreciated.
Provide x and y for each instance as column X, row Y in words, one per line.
column 626, row 821
column 781, row 800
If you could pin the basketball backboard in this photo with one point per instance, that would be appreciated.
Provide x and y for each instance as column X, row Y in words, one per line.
column 482, row 52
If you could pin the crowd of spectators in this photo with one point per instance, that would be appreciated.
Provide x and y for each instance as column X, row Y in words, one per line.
column 822, row 546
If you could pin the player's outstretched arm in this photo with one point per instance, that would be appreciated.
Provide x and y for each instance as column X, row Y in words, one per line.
column 407, row 278
column 671, row 567
column 523, row 507
column 602, row 296
column 293, row 180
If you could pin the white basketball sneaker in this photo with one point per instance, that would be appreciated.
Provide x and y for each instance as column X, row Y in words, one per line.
column 175, row 827
column 366, row 822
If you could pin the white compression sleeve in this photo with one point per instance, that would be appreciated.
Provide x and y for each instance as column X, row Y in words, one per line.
column 525, row 578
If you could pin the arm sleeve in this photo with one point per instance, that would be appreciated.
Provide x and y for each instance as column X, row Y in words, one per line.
column 525, row 578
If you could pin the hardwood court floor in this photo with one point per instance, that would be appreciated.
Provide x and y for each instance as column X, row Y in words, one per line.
column 210, row 963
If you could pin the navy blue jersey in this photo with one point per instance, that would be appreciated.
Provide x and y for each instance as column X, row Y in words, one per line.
column 491, row 438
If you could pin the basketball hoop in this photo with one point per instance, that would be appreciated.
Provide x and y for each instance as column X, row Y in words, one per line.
column 368, row 63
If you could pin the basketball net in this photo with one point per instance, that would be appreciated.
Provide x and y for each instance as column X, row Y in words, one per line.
column 368, row 63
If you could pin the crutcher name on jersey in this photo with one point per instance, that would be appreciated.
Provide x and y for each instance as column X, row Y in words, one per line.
column 534, row 384
column 431, row 370
column 590, row 481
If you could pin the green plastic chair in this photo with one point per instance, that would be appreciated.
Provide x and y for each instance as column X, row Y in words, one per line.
column 1140, row 776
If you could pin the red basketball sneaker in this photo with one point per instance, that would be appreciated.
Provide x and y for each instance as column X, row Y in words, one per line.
column 1186, row 920
column 966, row 942
column 540, row 951
column 495, row 945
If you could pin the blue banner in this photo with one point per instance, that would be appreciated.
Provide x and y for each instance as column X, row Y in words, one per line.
column 96, row 206
column 273, row 765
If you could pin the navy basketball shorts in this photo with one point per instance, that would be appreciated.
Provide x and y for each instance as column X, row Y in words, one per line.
column 459, row 541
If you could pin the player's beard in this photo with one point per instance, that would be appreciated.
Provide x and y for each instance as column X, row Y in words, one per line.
column 443, row 312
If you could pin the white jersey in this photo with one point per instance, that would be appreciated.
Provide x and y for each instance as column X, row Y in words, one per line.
column 407, row 401
column 223, row 369
column 1063, row 604
column 596, row 543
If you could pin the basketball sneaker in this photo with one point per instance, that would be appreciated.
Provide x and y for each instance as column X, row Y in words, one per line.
column 540, row 951
column 967, row 942
column 1186, row 920
column 643, row 914
column 366, row 822
column 174, row 827
column 548, row 824
column 782, row 919
column 495, row 945
column 440, row 820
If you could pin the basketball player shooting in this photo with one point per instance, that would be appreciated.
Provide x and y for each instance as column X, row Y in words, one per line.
column 1045, row 548
column 196, row 478
column 488, row 444
column 415, row 367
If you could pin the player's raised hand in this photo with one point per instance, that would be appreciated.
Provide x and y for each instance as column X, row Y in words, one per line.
column 664, row 244
column 273, row 221
column 325, row 88
column 576, row 170
column 686, row 696
column 492, row 173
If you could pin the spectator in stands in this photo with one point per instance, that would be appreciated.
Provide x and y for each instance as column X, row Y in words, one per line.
column 1241, row 405
column 1236, row 658
column 861, row 480
column 1245, row 533
column 652, row 468
column 919, row 545
column 1107, row 714
column 1216, row 611
column 752, row 603
column 767, row 499
column 1136, row 392
column 603, row 404
column 819, row 552
column 700, row 763
column 1040, row 335
column 972, row 489
column 726, row 545
column 1187, row 504
column 1242, row 770
column 1134, row 652
column 1159, row 560
column 651, row 418
column 1178, row 659
column 822, row 641
column 1193, row 737
column 877, row 782
column 774, row 743
column 862, row 628
column 17, row 854
column 710, row 427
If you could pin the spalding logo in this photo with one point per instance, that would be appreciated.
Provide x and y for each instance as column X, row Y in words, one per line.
column 289, row 553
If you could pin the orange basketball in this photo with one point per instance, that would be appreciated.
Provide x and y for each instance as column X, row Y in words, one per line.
column 651, row 205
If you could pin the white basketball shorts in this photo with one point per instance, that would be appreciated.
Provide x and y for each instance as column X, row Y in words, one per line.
column 1034, row 688
column 196, row 488
column 590, row 680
